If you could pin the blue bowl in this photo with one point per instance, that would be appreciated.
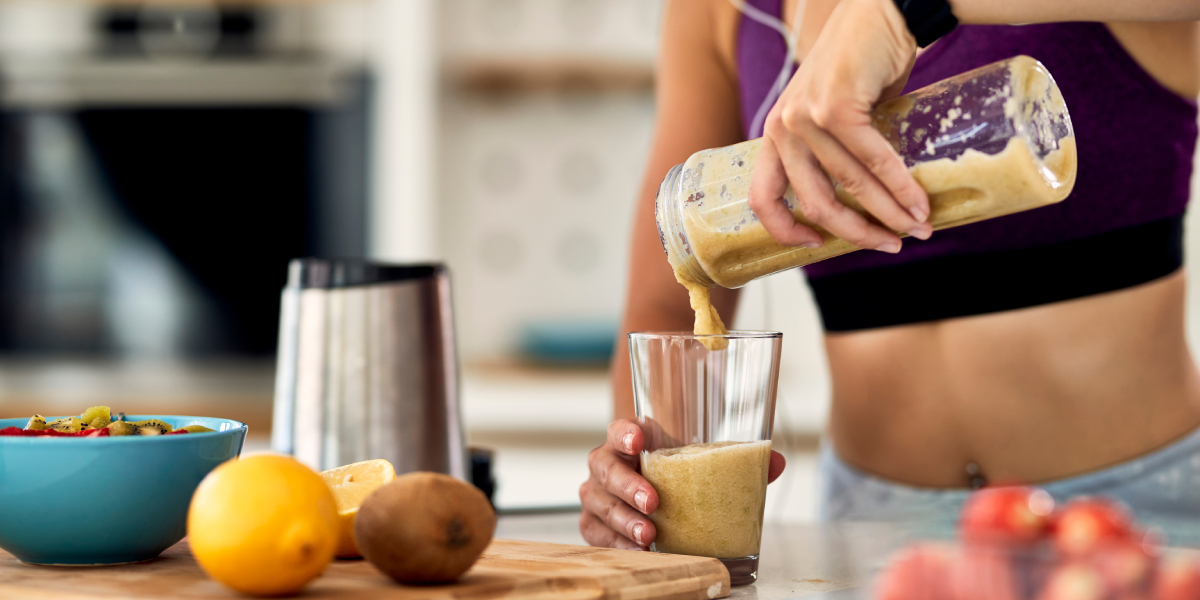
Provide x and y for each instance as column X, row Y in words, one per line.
column 109, row 500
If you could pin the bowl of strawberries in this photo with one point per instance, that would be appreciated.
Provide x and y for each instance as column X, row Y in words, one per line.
column 1015, row 543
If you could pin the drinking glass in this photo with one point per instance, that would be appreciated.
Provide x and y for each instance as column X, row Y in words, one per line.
column 707, row 417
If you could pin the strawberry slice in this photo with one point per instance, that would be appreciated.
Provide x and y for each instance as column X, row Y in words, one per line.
column 18, row 432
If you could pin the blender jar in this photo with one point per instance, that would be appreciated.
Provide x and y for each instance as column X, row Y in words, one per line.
column 986, row 143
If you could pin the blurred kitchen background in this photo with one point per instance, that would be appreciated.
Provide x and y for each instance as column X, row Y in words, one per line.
column 161, row 162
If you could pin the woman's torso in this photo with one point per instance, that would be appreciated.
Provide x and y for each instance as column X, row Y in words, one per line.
column 1029, row 394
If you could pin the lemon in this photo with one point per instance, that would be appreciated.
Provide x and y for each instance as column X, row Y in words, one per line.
column 264, row 525
column 351, row 485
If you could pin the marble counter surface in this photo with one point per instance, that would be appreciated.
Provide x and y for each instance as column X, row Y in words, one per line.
column 796, row 560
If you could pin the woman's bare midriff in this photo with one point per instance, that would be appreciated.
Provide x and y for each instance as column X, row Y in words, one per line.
column 1028, row 395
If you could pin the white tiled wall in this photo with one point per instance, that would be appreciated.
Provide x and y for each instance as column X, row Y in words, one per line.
column 538, row 193
column 537, row 187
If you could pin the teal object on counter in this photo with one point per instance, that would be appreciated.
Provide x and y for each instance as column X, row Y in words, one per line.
column 109, row 500
column 569, row 342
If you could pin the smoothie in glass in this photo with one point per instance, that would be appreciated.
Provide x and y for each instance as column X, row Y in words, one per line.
column 711, row 497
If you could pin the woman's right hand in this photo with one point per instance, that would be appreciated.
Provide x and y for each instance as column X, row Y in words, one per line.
column 614, row 487
column 821, row 127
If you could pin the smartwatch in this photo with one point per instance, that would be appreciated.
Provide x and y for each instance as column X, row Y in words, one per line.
column 927, row 20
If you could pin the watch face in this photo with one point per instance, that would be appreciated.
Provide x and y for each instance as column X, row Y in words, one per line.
column 928, row 20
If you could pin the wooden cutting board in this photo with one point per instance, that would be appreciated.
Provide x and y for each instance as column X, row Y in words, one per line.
column 508, row 569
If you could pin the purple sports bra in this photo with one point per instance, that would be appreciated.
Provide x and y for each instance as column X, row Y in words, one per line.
column 1135, row 142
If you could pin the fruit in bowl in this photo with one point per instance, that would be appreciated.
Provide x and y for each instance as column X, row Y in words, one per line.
column 104, row 499
column 96, row 421
column 1014, row 544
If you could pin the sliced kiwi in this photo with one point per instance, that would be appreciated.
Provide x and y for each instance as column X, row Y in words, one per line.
column 121, row 428
column 97, row 416
column 196, row 429
column 155, row 424
column 36, row 423
column 66, row 425
column 149, row 431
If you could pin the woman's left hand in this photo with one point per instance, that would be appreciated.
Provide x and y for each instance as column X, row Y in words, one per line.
column 862, row 56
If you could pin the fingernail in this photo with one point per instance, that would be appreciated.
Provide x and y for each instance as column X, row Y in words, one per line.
column 637, row 533
column 627, row 442
column 889, row 247
column 640, row 500
column 918, row 213
column 811, row 244
column 921, row 232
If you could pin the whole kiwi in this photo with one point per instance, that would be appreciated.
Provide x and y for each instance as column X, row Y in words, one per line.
column 424, row 527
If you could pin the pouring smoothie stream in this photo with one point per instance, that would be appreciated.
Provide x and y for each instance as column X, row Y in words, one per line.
column 987, row 143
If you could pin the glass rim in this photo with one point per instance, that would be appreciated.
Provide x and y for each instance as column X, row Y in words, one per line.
column 684, row 335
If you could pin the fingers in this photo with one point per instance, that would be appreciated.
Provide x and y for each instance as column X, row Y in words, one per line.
column 863, row 162
column 822, row 125
column 815, row 194
column 596, row 533
column 617, row 475
column 768, row 183
column 614, row 489
column 615, row 515
column 820, row 206
column 626, row 437
column 775, row 466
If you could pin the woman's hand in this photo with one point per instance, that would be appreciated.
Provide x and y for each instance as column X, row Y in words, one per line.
column 863, row 55
column 615, row 486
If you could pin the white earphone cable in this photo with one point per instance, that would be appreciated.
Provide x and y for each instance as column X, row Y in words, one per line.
column 785, row 72
column 756, row 130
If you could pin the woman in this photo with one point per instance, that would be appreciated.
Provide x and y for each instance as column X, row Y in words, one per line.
column 1044, row 347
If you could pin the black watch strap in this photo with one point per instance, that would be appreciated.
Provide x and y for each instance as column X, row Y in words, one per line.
column 928, row 20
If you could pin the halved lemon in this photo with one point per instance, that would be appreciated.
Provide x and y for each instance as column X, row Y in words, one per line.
column 351, row 485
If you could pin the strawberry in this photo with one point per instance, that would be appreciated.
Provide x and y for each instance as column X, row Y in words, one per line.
column 1125, row 567
column 1006, row 515
column 916, row 573
column 1178, row 579
column 1074, row 581
column 984, row 572
column 1088, row 523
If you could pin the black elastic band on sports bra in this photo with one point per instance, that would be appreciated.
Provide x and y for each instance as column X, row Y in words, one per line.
column 960, row 286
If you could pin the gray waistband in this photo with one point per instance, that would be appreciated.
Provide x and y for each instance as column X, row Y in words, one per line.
column 1162, row 487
